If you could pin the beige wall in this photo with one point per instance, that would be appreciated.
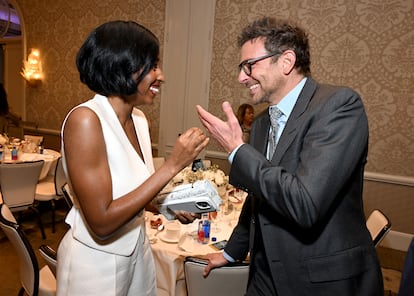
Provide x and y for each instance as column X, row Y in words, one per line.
column 57, row 29
column 365, row 44
column 395, row 200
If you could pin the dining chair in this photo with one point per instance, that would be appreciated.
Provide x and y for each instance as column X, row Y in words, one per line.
column 229, row 280
column 67, row 194
column 49, row 189
column 378, row 225
column 18, row 183
column 50, row 257
column 34, row 282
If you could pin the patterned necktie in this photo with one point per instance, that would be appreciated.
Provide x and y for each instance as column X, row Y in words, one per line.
column 275, row 115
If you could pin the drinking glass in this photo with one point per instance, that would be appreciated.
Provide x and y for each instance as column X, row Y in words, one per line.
column 226, row 208
column 214, row 218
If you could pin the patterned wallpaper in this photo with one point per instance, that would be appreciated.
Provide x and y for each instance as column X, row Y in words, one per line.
column 365, row 44
column 57, row 29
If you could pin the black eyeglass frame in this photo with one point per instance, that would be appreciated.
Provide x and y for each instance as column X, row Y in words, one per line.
column 246, row 65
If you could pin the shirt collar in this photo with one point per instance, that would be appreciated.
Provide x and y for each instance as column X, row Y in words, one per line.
column 288, row 102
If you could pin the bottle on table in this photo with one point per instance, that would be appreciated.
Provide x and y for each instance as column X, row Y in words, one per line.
column 14, row 153
column 203, row 233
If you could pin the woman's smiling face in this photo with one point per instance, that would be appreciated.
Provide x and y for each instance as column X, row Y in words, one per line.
column 150, row 86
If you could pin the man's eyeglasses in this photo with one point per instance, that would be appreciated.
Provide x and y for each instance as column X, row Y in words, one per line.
column 246, row 65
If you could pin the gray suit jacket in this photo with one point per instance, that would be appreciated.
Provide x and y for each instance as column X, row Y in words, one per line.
column 307, row 201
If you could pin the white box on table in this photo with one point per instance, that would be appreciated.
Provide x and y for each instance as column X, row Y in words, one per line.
column 198, row 197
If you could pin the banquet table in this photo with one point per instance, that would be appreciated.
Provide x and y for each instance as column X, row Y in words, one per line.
column 49, row 156
column 169, row 255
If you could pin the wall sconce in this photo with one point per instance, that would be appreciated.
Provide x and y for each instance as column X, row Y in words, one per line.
column 32, row 71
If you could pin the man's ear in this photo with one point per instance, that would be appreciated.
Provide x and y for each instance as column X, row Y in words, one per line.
column 288, row 59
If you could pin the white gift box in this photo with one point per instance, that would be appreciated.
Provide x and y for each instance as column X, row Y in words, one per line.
column 198, row 197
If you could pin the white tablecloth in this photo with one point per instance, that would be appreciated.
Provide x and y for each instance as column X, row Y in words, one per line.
column 169, row 257
column 49, row 156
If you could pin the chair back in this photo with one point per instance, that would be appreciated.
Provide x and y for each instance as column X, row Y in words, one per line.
column 18, row 183
column 50, row 257
column 28, row 266
column 378, row 225
column 229, row 280
column 67, row 195
column 60, row 177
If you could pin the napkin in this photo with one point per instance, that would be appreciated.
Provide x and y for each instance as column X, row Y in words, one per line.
column 187, row 243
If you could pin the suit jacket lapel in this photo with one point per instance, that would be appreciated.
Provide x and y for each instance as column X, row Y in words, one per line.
column 289, row 132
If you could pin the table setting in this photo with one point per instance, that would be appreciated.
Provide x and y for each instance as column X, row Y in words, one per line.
column 172, row 241
column 17, row 150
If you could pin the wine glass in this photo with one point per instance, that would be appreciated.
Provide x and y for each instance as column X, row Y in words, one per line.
column 226, row 208
column 214, row 218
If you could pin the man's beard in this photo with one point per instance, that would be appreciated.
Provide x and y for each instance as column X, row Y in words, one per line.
column 265, row 98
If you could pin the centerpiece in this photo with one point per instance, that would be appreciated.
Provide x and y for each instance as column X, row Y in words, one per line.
column 213, row 174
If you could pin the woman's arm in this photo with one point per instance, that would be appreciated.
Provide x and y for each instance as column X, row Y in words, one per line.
column 90, row 176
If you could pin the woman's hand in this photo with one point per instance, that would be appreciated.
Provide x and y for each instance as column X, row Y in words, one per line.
column 186, row 217
column 187, row 147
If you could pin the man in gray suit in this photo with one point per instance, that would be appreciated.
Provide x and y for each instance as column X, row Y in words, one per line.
column 303, row 221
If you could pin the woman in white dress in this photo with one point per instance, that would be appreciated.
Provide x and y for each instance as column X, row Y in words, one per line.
column 106, row 150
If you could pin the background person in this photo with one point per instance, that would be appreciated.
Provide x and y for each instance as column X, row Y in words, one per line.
column 245, row 116
column 106, row 150
column 304, row 214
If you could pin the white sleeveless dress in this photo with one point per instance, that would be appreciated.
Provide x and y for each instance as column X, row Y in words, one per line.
column 123, row 264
